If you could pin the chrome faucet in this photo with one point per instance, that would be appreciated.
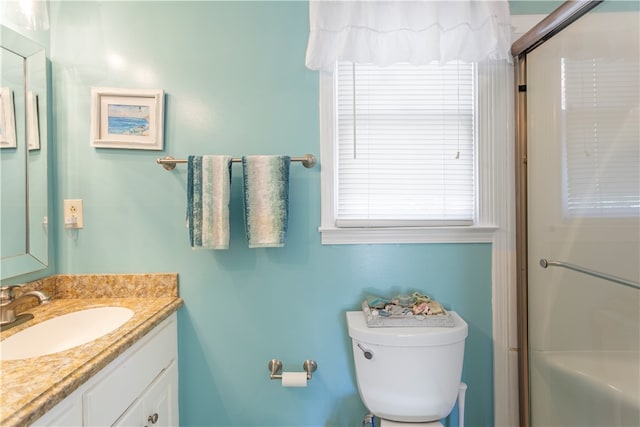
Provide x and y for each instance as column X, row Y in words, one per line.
column 8, row 302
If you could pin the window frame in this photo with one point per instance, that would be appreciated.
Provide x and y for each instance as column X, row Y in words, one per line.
column 488, row 159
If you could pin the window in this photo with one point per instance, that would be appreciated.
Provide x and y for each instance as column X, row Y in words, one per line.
column 406, row 145
column 413, row 154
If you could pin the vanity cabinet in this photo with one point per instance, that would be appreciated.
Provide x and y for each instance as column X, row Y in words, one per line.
column 157, row 406
column 138, row 388
column 66, row 413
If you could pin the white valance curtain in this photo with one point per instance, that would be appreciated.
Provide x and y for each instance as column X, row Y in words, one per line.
column 383, row 32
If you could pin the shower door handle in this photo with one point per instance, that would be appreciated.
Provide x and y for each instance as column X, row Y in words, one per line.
column 544, row 263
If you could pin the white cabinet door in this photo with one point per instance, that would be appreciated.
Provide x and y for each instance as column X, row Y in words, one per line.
column 161, row 400
column 158, row 405
column 132, row 417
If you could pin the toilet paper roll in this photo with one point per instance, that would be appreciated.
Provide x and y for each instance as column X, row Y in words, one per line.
column 294, row 379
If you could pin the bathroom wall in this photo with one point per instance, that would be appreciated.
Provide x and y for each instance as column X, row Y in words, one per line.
column 235, row 83
column 529, row 7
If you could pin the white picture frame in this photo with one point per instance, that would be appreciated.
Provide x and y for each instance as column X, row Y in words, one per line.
column 33, row 122
column 127, row 118
column 7, row 119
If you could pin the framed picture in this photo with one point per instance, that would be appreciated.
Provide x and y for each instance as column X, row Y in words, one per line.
column 7, row 119
column 33, row 123
column 127, row 118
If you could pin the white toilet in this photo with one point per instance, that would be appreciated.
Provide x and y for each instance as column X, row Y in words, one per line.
column 408, row 376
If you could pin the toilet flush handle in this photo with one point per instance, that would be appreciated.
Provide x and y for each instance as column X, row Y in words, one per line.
column 368, row 354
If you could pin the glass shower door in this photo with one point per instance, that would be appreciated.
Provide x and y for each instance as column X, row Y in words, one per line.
column 583, row 185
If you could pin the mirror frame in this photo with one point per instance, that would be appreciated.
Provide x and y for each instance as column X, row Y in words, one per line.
column 30, row 262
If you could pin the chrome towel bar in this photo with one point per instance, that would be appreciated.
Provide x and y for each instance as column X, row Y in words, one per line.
column 169, row 163
column 544, row 263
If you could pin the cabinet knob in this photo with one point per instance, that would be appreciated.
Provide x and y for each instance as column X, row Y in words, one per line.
column 153, row 418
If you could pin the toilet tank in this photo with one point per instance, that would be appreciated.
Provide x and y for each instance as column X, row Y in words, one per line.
column 408, row 374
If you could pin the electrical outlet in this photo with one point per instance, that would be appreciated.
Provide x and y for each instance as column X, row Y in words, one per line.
column 73, row 215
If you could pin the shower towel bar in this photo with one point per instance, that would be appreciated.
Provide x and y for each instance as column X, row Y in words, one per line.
column 169, row 163
column 544, row 263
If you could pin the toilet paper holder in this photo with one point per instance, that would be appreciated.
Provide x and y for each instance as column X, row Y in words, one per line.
column 275, row 368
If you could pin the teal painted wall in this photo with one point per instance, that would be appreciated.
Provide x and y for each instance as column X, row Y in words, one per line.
column 236, row 83
column 533, row 7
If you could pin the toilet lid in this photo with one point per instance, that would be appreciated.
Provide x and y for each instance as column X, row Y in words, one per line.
column 414, row 336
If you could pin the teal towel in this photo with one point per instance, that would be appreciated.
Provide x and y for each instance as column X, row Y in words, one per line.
column 266, row 200
column 208, row 189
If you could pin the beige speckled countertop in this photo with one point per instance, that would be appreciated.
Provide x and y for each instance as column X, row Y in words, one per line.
column 31, row 387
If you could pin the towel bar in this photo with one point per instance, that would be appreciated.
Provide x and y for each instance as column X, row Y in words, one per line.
column 544, row 263
column 169, row 163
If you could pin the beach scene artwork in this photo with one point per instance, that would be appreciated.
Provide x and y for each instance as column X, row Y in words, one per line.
column 128, row 120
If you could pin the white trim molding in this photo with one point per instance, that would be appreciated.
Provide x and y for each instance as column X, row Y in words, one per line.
column 399, row 235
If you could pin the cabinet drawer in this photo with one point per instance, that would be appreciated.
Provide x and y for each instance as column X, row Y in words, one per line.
column 127, row 377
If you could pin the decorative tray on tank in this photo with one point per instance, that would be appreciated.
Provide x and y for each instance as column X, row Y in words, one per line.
column 375, row 320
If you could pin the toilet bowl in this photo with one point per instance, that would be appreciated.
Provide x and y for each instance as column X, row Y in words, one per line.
column 408, row 376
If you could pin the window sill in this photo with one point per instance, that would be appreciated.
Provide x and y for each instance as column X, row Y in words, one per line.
column 400, row 235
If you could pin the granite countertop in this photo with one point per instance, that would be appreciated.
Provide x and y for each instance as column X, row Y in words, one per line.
column 31, row 387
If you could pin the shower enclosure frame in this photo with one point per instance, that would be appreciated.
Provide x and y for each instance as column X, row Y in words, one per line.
column 555, row 22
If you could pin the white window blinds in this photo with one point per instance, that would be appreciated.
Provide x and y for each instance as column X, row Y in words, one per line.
column 405, row 145
column 602, row 137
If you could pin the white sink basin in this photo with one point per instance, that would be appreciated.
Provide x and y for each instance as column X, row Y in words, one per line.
column 63, row 332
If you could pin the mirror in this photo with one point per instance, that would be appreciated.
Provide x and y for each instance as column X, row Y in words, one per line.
column 23, row 155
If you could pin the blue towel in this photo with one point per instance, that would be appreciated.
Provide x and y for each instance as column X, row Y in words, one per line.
column 208, row 188
column 266, row 200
